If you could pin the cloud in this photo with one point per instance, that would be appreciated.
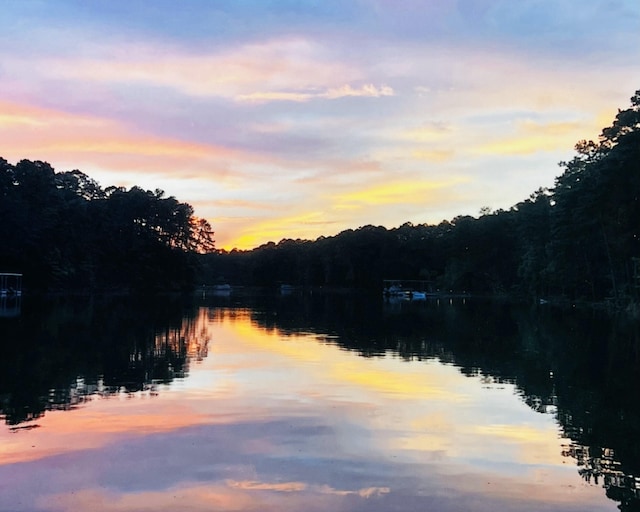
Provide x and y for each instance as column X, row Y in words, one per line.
column 366, row 492
column 292, row 69
column 366, row 91
column 98, row 144
column 434, row 155
column 533, row 137
column 337, row 203
column 308, row 114
column 399, row 192
column 433, row 131
column 304, row 224
column 289, row 68
column 264, row 486
column 262, row 97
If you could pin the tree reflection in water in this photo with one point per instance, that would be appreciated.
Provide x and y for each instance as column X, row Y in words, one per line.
column 57, row 356
column 580, row 367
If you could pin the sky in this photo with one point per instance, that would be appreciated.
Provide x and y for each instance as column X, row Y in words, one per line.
column 297, row 119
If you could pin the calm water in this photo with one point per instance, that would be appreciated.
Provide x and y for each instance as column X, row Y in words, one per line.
column 316, row 403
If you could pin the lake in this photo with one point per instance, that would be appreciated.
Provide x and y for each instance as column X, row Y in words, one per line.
column 316, row 402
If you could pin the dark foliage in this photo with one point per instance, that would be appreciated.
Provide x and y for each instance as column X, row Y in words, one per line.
column 63, row 231
column 578, row 241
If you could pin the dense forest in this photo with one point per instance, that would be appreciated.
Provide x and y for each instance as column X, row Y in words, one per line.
column 577, row 241
column 64, row 232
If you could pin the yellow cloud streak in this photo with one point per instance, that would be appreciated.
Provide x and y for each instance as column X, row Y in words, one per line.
column 17, row 119
column 534, row 137
column 315, row 223
column 302, row 225
column 405, row 192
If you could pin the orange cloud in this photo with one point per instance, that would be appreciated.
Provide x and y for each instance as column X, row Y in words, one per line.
column 253, row 232
column 90, row 143
column 52, row 130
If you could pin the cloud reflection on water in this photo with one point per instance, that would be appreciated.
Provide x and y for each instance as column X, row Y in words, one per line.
column 328, row 430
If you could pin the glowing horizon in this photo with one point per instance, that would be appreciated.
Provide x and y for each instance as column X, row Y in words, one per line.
column 302, row 120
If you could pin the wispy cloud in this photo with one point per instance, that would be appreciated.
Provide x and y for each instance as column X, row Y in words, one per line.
column 60, row 137
column 366, row 91
column 286, row 67
column 252, row 485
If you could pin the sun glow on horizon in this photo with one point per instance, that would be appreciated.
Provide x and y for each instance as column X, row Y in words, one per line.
column 280, row 126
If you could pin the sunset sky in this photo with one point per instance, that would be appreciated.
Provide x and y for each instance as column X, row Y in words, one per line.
column 295, row 119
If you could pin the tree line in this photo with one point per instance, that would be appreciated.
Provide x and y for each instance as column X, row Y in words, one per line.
column 63, row 231
column 579, row 240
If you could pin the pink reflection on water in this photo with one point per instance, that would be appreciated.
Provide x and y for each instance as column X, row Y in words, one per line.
column 272, row 421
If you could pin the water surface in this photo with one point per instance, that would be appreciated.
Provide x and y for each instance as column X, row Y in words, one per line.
column 316, row 402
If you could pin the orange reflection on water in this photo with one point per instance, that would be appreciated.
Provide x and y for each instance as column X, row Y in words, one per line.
column 95, row 425
column 274, row 421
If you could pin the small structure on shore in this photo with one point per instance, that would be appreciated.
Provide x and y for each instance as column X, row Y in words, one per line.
column 10, row 284
column 408, row 289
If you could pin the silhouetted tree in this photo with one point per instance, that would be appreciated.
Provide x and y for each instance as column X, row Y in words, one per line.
column 63, row 230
